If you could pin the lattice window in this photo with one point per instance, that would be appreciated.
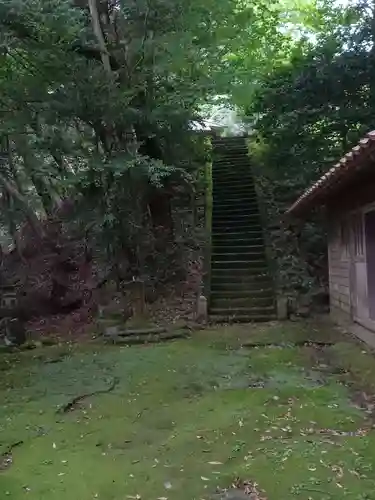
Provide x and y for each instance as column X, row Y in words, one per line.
column 345, row 239
column 357, row 235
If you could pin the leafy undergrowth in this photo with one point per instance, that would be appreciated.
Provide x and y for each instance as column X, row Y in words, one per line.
column 188, row 417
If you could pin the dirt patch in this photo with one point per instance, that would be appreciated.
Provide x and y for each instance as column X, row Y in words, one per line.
column 242, row 490
column 344, row 362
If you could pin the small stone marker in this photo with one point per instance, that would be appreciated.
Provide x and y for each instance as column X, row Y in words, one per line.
column 202, row 311
column 111, row 331
column 282, row 308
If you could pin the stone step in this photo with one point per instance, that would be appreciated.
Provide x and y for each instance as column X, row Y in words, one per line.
column 241, row 287
column 224, row 218
column 232, row 175
column 231, row 201
column 246, row 229
column 235, row 183
column 229, row 166
column 238, row 255
column 229, row 149
column 245, row 275
column 226, row 146
column 233, row 204
column 235, row 139
column 238, row 189
column 241, row 302
column 241, row 293
column 242, row 318
column 226, row 213
column 252, row 222
column 221, row 234
column 239, row 234
column 218, row 211
column 220, row 154
column 237, row 216
column 240, row 158
column 221, row 201
column 245, row 195
column 232, row 249
column 230, row 283
column 238, row 264
column 231, row 170
column 230, row 235
column 233, row 179
column 234, row 228
column 236, row 208
column 237, row 238
column 266, row 311
column 235, row 246
column 233, row 161
column 245, row 203
column 238, row 196
column 243, row 247
column 143, row 339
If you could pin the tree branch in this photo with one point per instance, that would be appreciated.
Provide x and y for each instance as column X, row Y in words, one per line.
column 100, row 37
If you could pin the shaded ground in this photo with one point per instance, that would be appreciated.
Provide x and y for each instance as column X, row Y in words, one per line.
column 188, row 417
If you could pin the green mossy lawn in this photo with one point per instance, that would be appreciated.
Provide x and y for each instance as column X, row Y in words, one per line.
column 189, row 417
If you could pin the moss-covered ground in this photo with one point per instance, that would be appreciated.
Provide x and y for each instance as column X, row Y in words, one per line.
column 188, row 417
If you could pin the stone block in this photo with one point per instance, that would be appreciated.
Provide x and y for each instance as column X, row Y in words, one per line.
column 282, row 308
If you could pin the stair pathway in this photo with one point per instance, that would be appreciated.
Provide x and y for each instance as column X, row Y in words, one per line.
column 241, row 286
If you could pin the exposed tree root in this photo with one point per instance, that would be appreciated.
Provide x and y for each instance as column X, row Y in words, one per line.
column 316, row 490
column 6, row 458
column 70, row 406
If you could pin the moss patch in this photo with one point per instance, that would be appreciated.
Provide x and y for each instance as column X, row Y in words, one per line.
column 186, row 418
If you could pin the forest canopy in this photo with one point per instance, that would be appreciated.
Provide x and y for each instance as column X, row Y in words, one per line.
column 97, row 97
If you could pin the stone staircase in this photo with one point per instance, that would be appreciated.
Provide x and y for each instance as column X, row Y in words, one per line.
column 241, row 287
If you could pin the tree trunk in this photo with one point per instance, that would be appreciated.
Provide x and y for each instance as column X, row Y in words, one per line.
column 31, row 216
column 99, row 36
column 372, row 59
column 12, row 226
column 30, row 164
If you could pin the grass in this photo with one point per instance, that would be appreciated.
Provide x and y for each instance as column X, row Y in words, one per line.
column 190, row 416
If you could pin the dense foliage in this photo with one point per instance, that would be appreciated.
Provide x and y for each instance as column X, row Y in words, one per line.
column 97, row 98
column 307, row 113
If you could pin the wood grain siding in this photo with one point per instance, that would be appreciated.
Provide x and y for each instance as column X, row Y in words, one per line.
column 339, row 269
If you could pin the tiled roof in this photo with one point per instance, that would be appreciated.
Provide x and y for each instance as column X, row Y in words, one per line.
column 352, row 163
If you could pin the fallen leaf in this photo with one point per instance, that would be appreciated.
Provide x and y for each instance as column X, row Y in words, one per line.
column 168, row 485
